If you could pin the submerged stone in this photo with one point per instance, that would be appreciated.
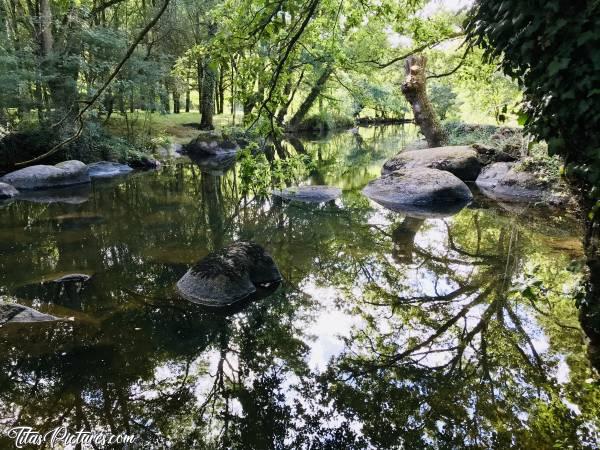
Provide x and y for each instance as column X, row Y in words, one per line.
column 66, row 173
column 107, row 169
column 461, row 161
column 309, row 194
column 428, row 192
column 73, row 195
column 73, row 278
column 15, row 313
column 504, row 182
column 229, row 275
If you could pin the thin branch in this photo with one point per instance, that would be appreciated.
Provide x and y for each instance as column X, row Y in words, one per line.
column 460, row 64
column 280, row 64
column 412, row 52
column 104, row 6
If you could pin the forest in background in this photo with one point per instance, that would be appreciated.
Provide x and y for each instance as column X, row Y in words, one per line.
column 94, row 80
column 271, row 67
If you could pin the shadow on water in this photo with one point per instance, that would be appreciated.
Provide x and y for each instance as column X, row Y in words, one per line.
column 388, row 331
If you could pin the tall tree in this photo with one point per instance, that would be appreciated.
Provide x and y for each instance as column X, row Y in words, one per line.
column 414, row 89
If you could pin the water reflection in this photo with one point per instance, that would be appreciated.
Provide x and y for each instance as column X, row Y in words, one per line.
column 387, row 331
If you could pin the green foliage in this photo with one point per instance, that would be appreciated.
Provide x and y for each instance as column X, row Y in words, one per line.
column 553, row 49
column 546, row 168
column 255, row 172
column 510, row 140
column 326, row 121
column 444, row 100
column 258, row 176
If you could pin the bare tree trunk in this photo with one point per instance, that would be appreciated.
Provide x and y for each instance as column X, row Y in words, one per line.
column 414, row 89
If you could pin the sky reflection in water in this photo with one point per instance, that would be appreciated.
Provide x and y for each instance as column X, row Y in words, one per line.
column 387, row 331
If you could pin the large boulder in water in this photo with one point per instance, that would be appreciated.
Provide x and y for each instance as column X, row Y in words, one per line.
column 503, row 181
column 15, row 313
column 461, row 161
column 420, row 192
column 211, row 143
column 229, row 275
column 108, row 169
column 309, row 194
column 7, row 191
column 66, row 173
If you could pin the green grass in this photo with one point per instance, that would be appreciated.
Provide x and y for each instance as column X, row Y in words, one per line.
column 161, row 128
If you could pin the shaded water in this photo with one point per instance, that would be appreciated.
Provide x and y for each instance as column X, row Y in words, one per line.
column 387, row 332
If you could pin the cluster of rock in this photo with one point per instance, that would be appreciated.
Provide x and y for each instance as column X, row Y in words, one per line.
column 431, row 181
column 503, row 181
column 45, row 183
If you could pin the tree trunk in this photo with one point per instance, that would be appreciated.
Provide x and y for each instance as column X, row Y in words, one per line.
column 131, row 102
column 46, row 27
column 121, row 101
column 414, row 89
column 217, row 98
column 287, row 90
column 207, row 99
column 310, row 99
column 176, row 102
column 221, row 89
column 164, row 100
column 200, row 74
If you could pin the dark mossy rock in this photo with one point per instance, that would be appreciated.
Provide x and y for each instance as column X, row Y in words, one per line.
column 144, row 162
column 229, row 275
column 210, row 144
column 420, row 192
column 489, row 155
column 309, row 194
column 15, row 313
column 63, row 174
column 460, row 160
column 503, row 181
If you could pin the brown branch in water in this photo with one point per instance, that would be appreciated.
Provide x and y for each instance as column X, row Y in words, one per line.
column 89, row 103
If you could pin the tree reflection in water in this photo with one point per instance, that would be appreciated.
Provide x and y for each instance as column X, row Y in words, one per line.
column 388, row 331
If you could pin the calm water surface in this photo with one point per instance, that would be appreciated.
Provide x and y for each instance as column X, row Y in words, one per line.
column 387, row 332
